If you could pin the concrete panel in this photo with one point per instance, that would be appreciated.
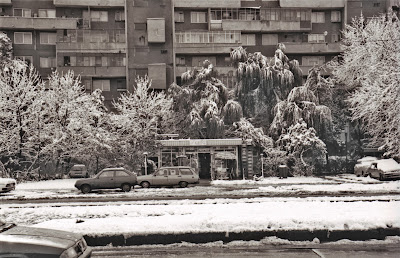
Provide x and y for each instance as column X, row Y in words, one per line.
column 5, row 2
column 312, row 3
column 85, row 3
column 158, row 76
column 301, row 48
column 91, row 47
column 38, row 23
column 156, row 30
column 207, row 3
column 264, row 26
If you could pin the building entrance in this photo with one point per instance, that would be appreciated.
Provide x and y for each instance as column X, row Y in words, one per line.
column 205, row 165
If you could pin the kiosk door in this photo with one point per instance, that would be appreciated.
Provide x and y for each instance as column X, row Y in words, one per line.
column 205, row 165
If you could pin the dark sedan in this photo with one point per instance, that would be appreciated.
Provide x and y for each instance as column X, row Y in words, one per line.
column 108, row 178
column 17, row 241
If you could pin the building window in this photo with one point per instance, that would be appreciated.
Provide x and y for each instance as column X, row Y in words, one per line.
column 318, row 17
column 377, row 4
column 336, row 16
column 22, row 37
column 49, row 13
column 198, row 17
column 269, row 39
column 180, row 61
column 47, row 38
column 89, row 61
column 248, row 39
column 48, row 62
column 121, row 85
column 272, row 15
column 96, row 16
column 22, row 12
column 119, row 16
column 313, row 60
column 179, row 17
column 305, row 15
column 103, row 85
column 87, row 84
column 316, row 38
column 27, row 59
column 288, row 15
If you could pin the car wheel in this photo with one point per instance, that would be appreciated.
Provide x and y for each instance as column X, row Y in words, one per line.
column 183, row 184
column 381, row 178
column 86, row 189
column 145, row 184
column 126, row 187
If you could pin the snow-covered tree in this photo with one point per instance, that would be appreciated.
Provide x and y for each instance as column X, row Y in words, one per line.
column 204, row 106
column 139, row 118
column 5, row 49
column 20, row 92
column 263, row 82
column 369, row 68
column 303, row 143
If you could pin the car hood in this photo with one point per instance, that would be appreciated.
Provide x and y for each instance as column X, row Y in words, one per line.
column 39, row 238
column 5, row 181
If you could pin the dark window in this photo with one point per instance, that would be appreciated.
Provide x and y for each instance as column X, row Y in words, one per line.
column 186, row 171
column 377, row 4
column 106, row 174
column 121, row 173
column 67, row 61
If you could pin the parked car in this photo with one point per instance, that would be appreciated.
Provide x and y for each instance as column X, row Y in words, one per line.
column 78, row 170
column 362, row 165
column 7, row 185
column 168, row 176
column 18, row 241
column 384, row 169
column 108, row 178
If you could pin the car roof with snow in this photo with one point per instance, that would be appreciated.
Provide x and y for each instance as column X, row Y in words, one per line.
column 387, row 164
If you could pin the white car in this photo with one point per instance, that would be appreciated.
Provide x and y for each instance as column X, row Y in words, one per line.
column 384, row 169
column 7, row 185
column 360, row 169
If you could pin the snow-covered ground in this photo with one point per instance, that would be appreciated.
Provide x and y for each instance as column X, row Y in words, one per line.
column 64, row 188
column 217, row 215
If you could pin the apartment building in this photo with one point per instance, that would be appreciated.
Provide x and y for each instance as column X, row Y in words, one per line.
column 111, row 42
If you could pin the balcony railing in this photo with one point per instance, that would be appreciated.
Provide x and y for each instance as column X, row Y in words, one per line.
column 12, row 22
column 206, row 4
column 312, row 3
column 5, row 2
column 93, row 36
column 214, row 37
column 108, row 71
column 305, row 47
column 86, row 3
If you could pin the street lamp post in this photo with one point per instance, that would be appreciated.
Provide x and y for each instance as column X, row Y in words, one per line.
column 145, row 162
column 262, row 165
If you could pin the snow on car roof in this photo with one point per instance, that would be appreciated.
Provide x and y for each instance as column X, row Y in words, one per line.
column 367, row 158
column 388, row 164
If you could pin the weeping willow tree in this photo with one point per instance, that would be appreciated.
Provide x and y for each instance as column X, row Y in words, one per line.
column 203, row 105
column 262, row 81
column 304, row 103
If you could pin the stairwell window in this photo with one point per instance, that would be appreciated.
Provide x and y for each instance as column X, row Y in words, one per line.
column 103, row 85
column 47, row 38
column 179, row 17
column 198, row 17
column 22, row 37
column 318, row 17
column 336, row 16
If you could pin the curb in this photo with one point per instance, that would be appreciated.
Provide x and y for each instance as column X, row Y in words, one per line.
column 200, row 238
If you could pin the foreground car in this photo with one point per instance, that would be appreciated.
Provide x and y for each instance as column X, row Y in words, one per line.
column 169, row 176
column 7, row 185
column 16, row 241
column 384, row 169
column 360, row 169
column 108, row 178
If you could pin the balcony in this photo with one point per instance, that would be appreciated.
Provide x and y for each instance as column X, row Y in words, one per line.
column 263, row 26
column 37, row 23
column 207, row 4
column 99, row 47
column 205, row 48
column 312, row 3
column 86, row 3
column 307, row 48
column 107, row 71
column 5, row 2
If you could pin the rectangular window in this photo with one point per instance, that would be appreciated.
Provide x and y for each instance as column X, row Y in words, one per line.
column 180, row 60
column 272, row 15
column 198, row 17
column 48, row 62
column 87, row 84
column 103, row 85
column 121, row 85
column 104, row 61
column 305, row 15
column 179, row 17
column 96, row 16
column 47, row 38
column 73, row 60
column 313, row 60
column 49, row 13
column 335, row 37
column 288, row 15
column 22, row 37
column 316, row 38
column 119, row 16
column 248, row 39
column 318, row 17
column 26, row 59
column 336, row 16
column 269, row 39
column 22, row 12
